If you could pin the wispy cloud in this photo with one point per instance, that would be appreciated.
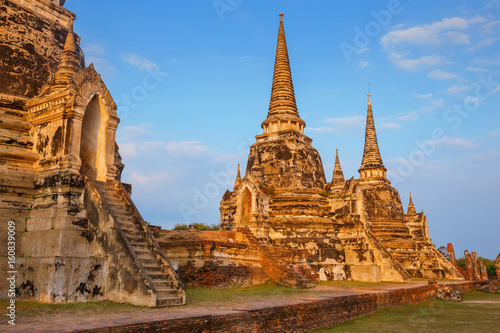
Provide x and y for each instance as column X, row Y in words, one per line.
column 423, row 95
column 451, row 141
column 346, row 121
column 476, row 69
column 441, row 75
column 408, row 116
column 457, row 90
column 433, row 105
column 363, row 64
column 321, row 129
column 102, row 66
column 94, row 49
column 435, row 34
column 391, row 125
column 138, row 61
column 495, row 133
column 415, row 64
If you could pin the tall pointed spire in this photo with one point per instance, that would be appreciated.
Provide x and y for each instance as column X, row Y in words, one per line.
column 70, row 62
column 338, row 175
column 237, row 182
column 371, row 165
column 411, row 207
column 283, row 113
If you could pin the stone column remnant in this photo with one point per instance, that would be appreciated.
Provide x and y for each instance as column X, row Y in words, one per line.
column 484, row 273
column 451, row 255
column 497, row 263
column 475, row 267
column 468, row 266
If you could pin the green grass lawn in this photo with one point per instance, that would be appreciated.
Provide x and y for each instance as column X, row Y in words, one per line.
column 431, row 316
column 269, row 290
column 195, row 296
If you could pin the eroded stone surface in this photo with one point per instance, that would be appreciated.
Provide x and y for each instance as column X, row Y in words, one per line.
column 80, row 236
column 351, row 229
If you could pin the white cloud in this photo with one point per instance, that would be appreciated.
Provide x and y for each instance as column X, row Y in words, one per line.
column 495, row 133
column 102, row 66
column 476, row 69
column 434, row 34
column 450, row 141
column 134, row 133
column 244, row 57
column 128, row 149
column 483, row 43
column 363, row 50
column 363, row 64
column 145, row 179
column 346, row 121
column 390, row 125
column 441, row 75
column 487, row 61
column 320, row 129
column 423, row 95
column 457, row 90
column 409, row 116
column 414, row 64
column 490, row 27
column 435, row 104
column 94, row 49
column 137, row 61
column 186, row 148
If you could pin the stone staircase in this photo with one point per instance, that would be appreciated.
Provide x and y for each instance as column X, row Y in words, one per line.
column 155, row 268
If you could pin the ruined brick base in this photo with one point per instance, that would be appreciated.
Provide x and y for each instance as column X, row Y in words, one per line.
column 292, row 318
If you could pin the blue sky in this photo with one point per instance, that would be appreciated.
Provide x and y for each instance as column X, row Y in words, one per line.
column 192, row 81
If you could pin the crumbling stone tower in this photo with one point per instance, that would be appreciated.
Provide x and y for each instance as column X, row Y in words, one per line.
column 79, row 236
column 352, row 229
column 282, row 198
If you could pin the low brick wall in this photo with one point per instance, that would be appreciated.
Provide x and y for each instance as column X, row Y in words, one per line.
column 290, row 318
column 463, row 287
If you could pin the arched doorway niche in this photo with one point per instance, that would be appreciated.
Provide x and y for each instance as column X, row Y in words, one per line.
column 93, row 140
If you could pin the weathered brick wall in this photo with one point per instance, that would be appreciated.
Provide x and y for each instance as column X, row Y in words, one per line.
column 291, row 318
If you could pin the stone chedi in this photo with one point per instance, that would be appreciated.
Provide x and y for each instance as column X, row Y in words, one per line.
column 80, row 236
column 351, row 229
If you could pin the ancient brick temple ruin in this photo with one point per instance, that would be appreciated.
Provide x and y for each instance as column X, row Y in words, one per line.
column 350, row 229
column 80, row 237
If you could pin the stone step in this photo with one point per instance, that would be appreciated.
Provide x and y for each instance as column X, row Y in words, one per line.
column 158, row 277
column 119, row 209
column 163, row 284
column 168, row 301
column 146, row 256
column 149, row 262
column 166, row 292
column 142, row 252
column 155, row 268
column 132, row 232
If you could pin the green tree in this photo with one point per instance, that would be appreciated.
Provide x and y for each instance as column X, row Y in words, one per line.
column 444, row 252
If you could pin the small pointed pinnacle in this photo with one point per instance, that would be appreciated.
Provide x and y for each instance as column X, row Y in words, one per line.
column 411, row 207
column 338, row 175
column 70, row 62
